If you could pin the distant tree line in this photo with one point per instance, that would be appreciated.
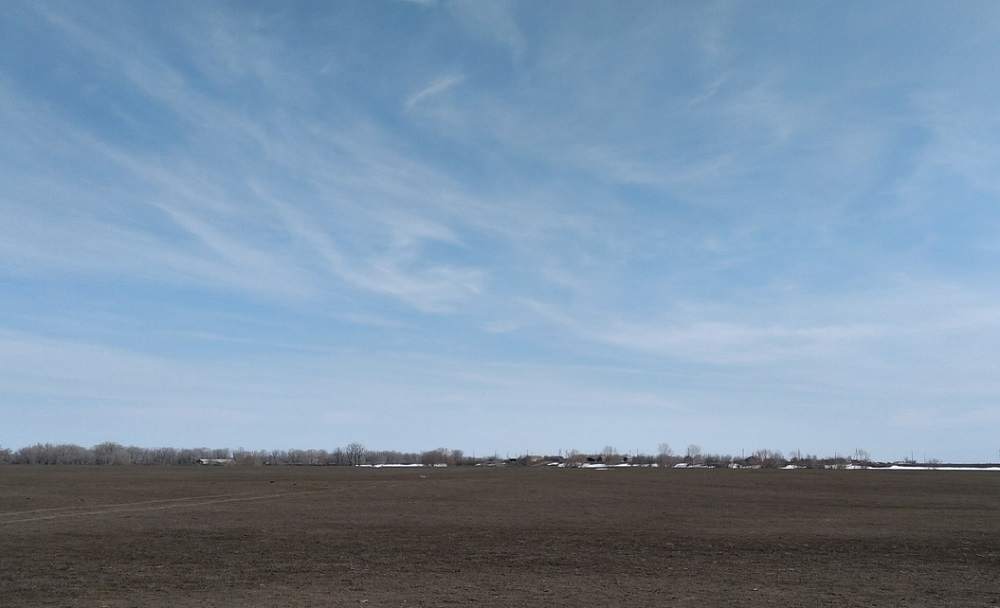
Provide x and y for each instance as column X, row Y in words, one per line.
column 355, row 454
column 110, row 453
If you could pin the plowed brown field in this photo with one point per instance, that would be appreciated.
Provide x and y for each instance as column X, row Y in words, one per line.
column 325, row 536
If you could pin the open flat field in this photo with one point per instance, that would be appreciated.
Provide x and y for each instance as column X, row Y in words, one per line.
column 327, row 536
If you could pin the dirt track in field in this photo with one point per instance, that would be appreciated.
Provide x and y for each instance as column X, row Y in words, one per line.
column 298, row 536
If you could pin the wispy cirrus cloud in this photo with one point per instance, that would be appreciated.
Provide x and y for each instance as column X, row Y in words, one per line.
column 728, row 343
column 706, row 195
column 210, row 204
column 437, row 87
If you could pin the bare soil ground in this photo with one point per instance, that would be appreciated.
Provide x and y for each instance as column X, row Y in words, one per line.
column 325, row 536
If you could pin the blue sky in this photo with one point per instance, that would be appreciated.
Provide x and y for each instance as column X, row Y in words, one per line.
column 502, row 226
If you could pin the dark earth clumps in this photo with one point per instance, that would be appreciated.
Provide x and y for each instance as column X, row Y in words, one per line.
column 289, row 537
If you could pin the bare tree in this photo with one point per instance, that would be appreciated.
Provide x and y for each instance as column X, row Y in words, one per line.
column 610, row 455
column 575, row 458
column 440, row 456
column 113, row 453
column 862, row 457
column 769, row 459
column 355, row 454
column 693, row 454
column 664, row 453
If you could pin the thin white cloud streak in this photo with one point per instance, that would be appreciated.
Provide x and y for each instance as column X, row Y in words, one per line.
column 727, row 343
column 397, row 270
column 918, row 342
column 90, row 234
column 437, row 87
